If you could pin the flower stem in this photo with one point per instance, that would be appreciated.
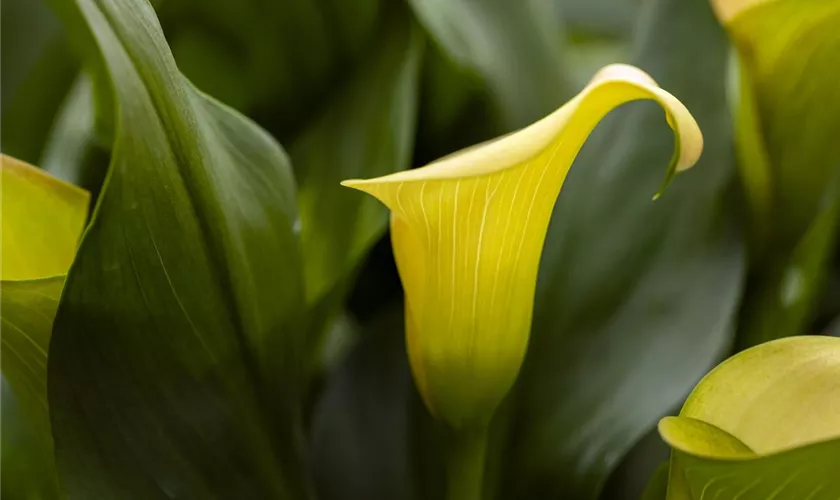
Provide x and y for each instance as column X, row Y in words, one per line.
column 466, row 464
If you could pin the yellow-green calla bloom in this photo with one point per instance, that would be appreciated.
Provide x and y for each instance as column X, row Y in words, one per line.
column 786, row 112
column 468, row 231
column 764, row 424
column 788, row 107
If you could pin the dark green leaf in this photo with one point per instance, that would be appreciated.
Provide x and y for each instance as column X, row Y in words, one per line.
column 658, row 486
column 366, row 131
column 28, row 467
column 362, row 422
column 632, row 475
column 454, row 109
column 175, row 357
column 28, row 28
column 782, row 294
column 37, row 99
column 636, row 298
column 602, row 18
column 515, row 47
column 275, row 60
column 28, row 311
column 786, row 114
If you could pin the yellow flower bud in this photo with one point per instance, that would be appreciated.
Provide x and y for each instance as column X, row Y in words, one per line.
column 468, row 231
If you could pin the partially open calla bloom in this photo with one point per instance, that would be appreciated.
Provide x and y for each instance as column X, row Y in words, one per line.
column 468, row 231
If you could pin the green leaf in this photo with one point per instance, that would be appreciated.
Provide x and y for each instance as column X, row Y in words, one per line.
column 28, row 312
column 601, row 18
column 36, row 102
column 362, row 422
column 72, row 138
column 764, row 424
column 657, row 488
column 276, row 61
column 367, row 131
column 27, row 29
column 28, row 467
column 638, row 468
column 783, row 293
column 41, row 219
column 636, row 299
column 73, row 152
column 515, row 47
column 175, row 357
column 454, row 110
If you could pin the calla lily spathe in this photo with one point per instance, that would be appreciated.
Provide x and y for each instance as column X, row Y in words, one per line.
column 468, row 231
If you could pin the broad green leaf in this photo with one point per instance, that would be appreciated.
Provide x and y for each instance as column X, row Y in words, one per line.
column 612, row 19
column 72, row 134
column 35, row 104
column 42, row 219
column 27, row 29
column 28, row 467
column 454, row 112
column 782, row 296
column 586, row 56
column 72, row 151
column 657, row 488
column 763, row 424
column 362, row 422
column 514, row 47
column 175, row 356
column 787, row 107
column 368, row 130
column 28, row 310
column 278, row 60
column 639, row 467
column 635, row 299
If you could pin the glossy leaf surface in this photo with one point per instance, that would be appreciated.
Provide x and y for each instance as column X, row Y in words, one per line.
column 174, row 366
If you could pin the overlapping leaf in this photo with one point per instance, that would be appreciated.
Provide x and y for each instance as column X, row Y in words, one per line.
column 37, row 68
column 366, row 131
column 363, row 422
column 274, row 60
column 515, row 47
column 174, row 366
column 28, row 467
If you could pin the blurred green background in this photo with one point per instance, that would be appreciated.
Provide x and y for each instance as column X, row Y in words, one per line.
column 636, row 300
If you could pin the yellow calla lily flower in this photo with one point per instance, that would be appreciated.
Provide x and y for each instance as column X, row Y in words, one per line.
column 468, row 231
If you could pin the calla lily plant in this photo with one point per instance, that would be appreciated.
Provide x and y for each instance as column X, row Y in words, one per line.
column 468, row 232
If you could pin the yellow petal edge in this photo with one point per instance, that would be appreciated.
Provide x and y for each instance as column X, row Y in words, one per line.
column 41, row 218
column 468, row 231
column 763, row 424
column 774, row 397
column 726, row 10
